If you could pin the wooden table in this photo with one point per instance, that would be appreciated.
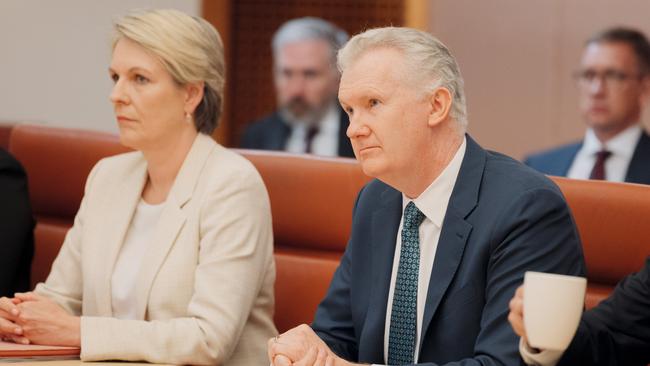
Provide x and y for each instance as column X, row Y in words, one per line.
column 47, row 355
column 74, row 363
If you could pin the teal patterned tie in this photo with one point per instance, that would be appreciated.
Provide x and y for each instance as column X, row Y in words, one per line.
column 403, row 318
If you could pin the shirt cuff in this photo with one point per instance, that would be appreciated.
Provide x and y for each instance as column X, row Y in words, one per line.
column 538, row 358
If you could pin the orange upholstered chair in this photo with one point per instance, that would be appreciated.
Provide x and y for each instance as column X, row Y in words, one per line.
column 613, row 222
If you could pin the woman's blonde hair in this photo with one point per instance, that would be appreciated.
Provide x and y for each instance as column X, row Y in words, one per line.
column 191, row 50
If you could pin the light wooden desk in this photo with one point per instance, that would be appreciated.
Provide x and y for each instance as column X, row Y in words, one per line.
column 72, row 363
column 48, row 355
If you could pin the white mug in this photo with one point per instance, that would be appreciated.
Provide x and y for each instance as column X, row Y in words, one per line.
column 553, row 306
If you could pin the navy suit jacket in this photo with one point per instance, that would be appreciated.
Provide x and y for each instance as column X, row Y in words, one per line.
column 617, row 331
column 559, row 160
column 272, row 133
column 16, row 227
column 502, row 219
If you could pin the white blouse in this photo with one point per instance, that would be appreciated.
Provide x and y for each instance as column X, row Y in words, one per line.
column 128, row 263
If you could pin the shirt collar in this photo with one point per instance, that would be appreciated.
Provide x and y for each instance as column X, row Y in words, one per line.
column 433, row 201
column 330, row 121
column 622, row 144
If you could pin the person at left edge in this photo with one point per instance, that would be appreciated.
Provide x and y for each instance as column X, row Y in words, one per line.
column 16, row 227
column 170, row 258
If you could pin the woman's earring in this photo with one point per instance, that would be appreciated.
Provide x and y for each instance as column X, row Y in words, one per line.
column 188, row 117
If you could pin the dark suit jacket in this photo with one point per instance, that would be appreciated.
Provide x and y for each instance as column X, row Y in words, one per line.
column 617, row 331
column 502, row 219
column 559, row 160
column 16, row 227
column 272, row 132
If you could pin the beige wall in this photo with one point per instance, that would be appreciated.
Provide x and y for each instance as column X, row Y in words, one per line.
column 54, row 59
column 517, row 58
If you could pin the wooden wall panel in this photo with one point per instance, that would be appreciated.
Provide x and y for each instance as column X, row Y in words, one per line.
column 219, row 14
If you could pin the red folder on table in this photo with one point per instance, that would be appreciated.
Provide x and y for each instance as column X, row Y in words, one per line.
column 33, row 351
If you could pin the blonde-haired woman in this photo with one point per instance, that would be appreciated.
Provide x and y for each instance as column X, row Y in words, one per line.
column 170, row 258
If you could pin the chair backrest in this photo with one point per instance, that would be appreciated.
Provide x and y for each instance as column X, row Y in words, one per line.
column 311, row 198
column 311, row 202
column 613, row 220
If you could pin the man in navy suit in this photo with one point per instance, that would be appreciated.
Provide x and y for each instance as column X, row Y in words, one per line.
column 16, row 227
column 309, row 119
column 616, row 332
column 443, row 237
column 614, row 84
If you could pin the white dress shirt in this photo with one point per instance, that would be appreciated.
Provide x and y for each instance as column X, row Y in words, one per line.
column 325, row 142
column 128, row 263
column 621, row 146
column 433, row 204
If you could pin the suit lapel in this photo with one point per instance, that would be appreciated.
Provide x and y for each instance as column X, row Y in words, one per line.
column 118, row 214
column 455, row 230
column 639, row 169
column 278, row 134
column 171, row 219
column 385, row 223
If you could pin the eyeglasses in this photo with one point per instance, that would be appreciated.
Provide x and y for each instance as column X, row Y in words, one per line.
column 610, row 78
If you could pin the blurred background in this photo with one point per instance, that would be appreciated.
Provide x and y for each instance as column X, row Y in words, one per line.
column 517, row 57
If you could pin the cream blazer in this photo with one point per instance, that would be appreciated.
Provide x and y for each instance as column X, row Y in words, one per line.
column 205, row 288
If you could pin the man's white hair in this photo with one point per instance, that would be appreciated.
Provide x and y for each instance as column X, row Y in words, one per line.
column 430, row 64
column 309, row 28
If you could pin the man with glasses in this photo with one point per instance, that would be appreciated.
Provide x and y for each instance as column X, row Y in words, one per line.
column 614, row 84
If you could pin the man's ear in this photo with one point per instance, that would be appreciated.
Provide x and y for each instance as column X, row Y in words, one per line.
column 193, row 95
column 440, row 100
